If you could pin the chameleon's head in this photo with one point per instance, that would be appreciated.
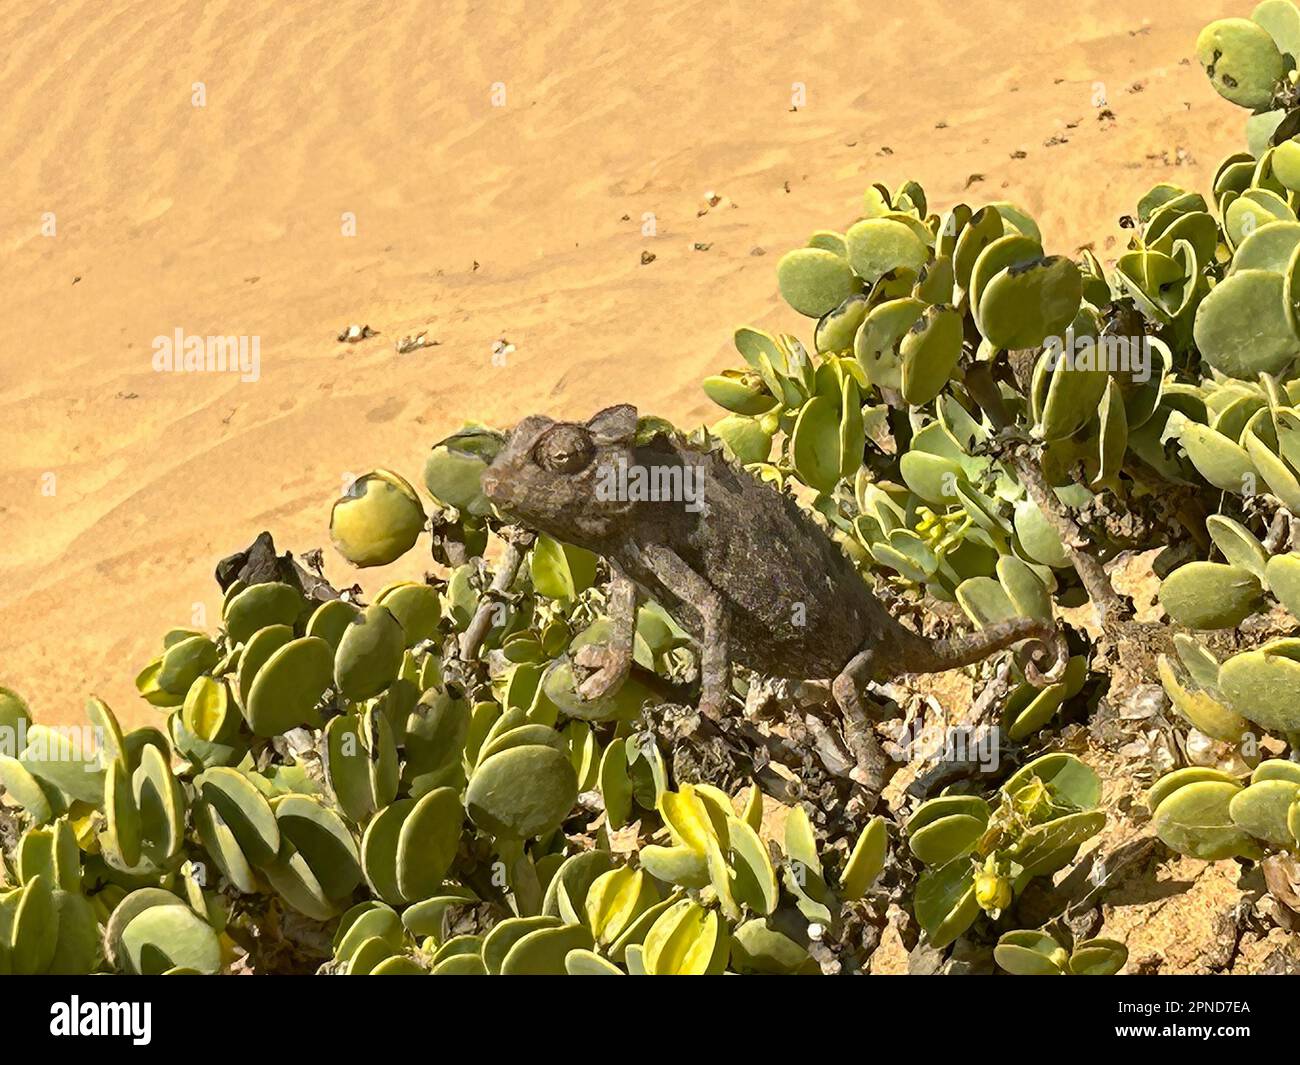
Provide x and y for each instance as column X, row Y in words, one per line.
column 555, row 476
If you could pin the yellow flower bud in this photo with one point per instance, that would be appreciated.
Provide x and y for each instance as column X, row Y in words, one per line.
column 992, row 892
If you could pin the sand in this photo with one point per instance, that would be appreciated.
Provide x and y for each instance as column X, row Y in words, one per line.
column 121, row 486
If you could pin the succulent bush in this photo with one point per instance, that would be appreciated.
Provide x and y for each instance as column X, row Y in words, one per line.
column 937, row 425
column 979, row 855
column 1237, row 424
column 895, row 423
column 709, row 901
column 319, row 765
column 327, row 765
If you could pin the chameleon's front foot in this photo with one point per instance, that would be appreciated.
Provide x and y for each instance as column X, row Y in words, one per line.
column 1007, row 441
column 611, row 669
column 611, row 662
column 712, row 707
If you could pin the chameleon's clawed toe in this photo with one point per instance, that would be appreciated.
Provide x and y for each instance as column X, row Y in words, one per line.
column 602, row 669
column 591, row 656
column 871, row 764
column 712, row 710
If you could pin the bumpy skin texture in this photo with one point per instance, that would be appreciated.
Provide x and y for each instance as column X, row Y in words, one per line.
column 749, row 572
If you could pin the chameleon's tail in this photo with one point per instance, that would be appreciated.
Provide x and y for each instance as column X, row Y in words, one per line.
column 1043, row 658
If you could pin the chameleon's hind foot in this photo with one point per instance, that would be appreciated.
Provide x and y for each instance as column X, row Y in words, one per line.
column 871, row 764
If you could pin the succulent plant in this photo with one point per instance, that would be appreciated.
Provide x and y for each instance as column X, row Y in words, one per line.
column 455, row 466
column 1211, row 814
column 978, row 855
column 1027, row 953
column 1241, row 60
column 377, row 520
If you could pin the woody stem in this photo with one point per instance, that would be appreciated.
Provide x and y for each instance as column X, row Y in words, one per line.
column 1078, row 545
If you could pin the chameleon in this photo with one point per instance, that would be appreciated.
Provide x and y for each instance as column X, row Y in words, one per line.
column 741, row 566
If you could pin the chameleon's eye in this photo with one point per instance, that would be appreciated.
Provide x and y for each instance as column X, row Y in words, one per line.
column 565, row 449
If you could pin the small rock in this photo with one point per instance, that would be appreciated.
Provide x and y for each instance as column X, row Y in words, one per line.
column 413, row 343
column 354, row 334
